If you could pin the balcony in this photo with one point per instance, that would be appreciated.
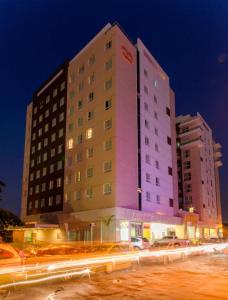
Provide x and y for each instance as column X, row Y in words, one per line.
column 217, row 146
column 194, row 142
column 218, row 164
column 217, row 154
column 194, row 130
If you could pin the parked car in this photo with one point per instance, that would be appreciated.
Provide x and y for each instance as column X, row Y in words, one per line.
column 171, row 241
column 8, row 255
column 56, row 250
column 140, row 243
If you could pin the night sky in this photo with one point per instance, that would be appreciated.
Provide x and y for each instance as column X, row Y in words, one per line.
column 188, row 38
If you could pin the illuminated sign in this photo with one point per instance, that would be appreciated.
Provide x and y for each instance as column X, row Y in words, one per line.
column 127, row 55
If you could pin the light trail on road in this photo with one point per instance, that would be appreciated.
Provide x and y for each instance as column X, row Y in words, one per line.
column 52, row 270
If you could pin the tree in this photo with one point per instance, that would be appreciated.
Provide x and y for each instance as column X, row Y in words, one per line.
column 106, row 221
column 2, row 185
column 7, row 218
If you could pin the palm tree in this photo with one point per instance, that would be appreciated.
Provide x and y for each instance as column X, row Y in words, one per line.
column 2, row 185
column 106, row 221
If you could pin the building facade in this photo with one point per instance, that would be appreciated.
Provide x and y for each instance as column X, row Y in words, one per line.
column 100, row 152
column 198, row 162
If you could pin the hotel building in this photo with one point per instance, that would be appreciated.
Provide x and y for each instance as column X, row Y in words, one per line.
column 100, row 148
column 198, row 174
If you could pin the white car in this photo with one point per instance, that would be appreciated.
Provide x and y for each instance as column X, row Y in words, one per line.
column 8, row 255
column 140, row 243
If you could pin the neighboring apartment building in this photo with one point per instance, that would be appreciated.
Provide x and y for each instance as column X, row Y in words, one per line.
column 198, row 163
column 105, row 169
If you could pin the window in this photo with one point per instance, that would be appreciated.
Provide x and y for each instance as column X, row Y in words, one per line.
column 58, row 199
column 78, row 195
column 187, row 176
column 156, row 148
column 158, row 200
column 155, row 83
column 80, row 104
column 169, row 141
column 30, row 205
column 156, row 131
column 36, row 203
column 155, row 100
column 39, row 146
column 59, row 182
column 186, row 153
column 51, row 184
column 47, row 99
column 108, row 45
column 156, row 164
column 91, row 96
column 107, row 166
column 68, row 179
column 61, row 117
column 155, row 115
column 34, row 123
column 91, row 60
column 80, row 121
column 108, row 104
column 46, row 127
column 52, row 168
column 187, row 164
column 108, row 124
column 30, row 191
column 89, row 152
column 31, row 177
column 43, row 187
column 89, row 133
column 91, row 79
column 71, row 110
column 89, row 172
column 53, row 123
column 108, row 145
column 50, row 200
column 90, row 115
column 62, row 86
column 168, row 111
column 60, row 149
column 147, row 196
column 79, row 157
column 32, row 163
column 37, row 189
column 108, row 64
column 146, row 107
column 147, row 124
column 55, row 92
column 147, row 159
column 70, row 127
column 81, row 86
column 35, row 110
column 145, row 89
column 170, row 171
column 147, row 141
column 33, row 149
column 37, row 174
column 108, row 84
column 107, row 188
column 147, row 177
column 59, row 165
column 78, row 176
column 33, row 136
column 157, row 182
column 45, row 156
column 38, row 160
column 47, row 113
column 62, row 101
column 53, row 137
column 60, row 132
column 188, row 188
column 40, row 118
column 54, row 107
column 81, row 69
column 70, row 143
column 40, row 132
column 44, row 171
column 89, row 192
column 42, row 203
column 145, row 73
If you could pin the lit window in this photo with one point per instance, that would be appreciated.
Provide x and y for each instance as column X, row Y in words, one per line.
column 33, row 136
column 60, row 149
column 59, row 165
column 34, row 123
column 107, row 188
column 50, row 201
column 54, row 107
column 61, row 117
column 46, row 127
column 40, row 118
column 89, row 133
column 30, row 191
column 53, row 137
column 155, row 83
column 53, row 123
column 33, row 149
column 47, row 99
column 78, row 176
column 62, row 100
column 51, row 184
column 31, row 177
column 60, row 132
column 52, row 168
column 35, row 110
column 55, row 92
column 32, row 163
column 62, row 86
column 70, row 144
column 37, row 189
column 44, row 171
column 37, row 174
column 43, row 187
column 59, row 182
column 47, row 113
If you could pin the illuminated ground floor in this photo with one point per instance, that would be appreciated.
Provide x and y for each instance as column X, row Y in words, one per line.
column 115, row 225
